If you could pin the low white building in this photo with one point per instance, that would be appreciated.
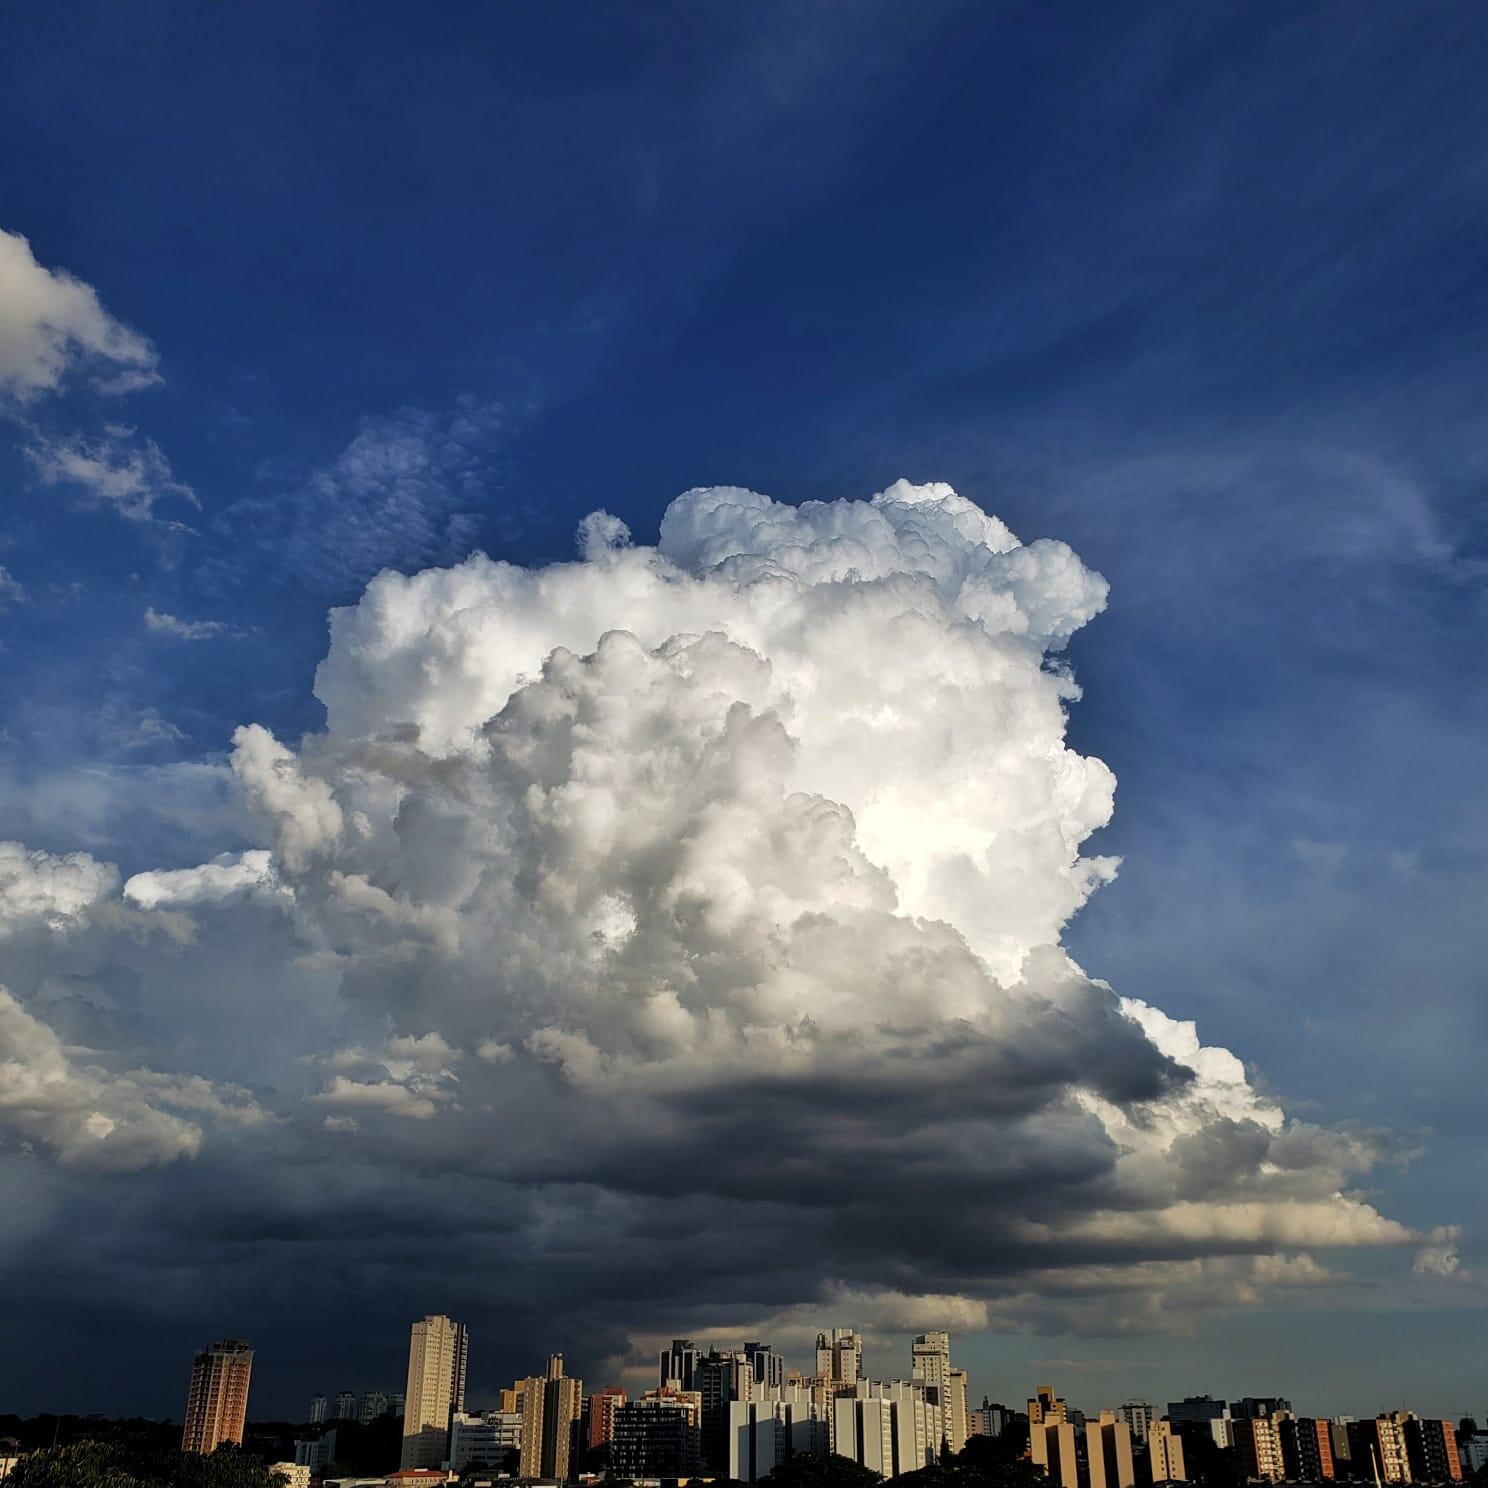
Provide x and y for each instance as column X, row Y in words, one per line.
column 763, row 1433
column 483, row 1439
column 890, row 1426
column 295, row 1474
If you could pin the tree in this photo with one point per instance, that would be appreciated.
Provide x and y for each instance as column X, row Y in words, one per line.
column 95, row 1464
column 984, row 1462
column 808, row 1470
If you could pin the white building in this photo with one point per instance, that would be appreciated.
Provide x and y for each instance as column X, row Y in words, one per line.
column 891, row 1426
column 763, row 1433
column 483, row 1440
column 1138, row 1417
column 315, row 1456
column 295, row 1474
column 839, row 1356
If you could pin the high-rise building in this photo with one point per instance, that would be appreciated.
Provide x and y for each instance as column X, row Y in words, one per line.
column 1258, row 1442
column 395, row 1405
column 1108, row 1452
column 1378, row 1445
column 1338, row 1428
column 371, row 1407
column 989, row 1418
column 839, row 1356
column 438, row 1356
column 345, row 1407
column 766, row 1365
column 678, row 1364
column 658, row 1436
column 217, row 1401
column 1046, row 1407
column 600, row 1416
column 1249, row 1407
column 1202, row 1415
column 1051, row 1443
column 1165, row 1453
column 1138, row 1417
column 721, row 1379
column 550, row 1407
column 1306, row 1448
column 1431, row 1450
column 317, row 1409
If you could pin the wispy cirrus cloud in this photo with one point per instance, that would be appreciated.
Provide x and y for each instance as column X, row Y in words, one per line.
column 117, row 468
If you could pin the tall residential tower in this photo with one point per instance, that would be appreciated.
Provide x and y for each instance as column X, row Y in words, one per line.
column 438, row 1354
column 217, row 1402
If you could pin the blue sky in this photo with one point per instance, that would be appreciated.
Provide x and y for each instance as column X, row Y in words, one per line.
column 1196, row 290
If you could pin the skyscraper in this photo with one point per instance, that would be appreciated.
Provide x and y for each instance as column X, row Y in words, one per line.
column 550, row 1406
column 1046, row 1407
column 839, row 1356
column 317, row 1409
column 438, row 1354
column 345, row 1407
column 1138, row 1417
column 767, row 1365
column 930, row 1354
column 217, row 1401
column 601, row 1416
column 1165, row 1453
column 678, row 1364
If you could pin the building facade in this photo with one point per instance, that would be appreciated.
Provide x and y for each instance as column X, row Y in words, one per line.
column 491, row 1439
column 438, row 1357
column 1258, row 1442
column 1431, row 1450
column 1165, row 1453
column 1051, row 1447
column 658, row 1436
column 1108, row 1452
column 1306, row 1448
column 217, row 1399
column 839, row 1356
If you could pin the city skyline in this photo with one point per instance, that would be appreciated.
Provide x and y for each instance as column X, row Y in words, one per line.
column 727, row 671
column 888, row 1357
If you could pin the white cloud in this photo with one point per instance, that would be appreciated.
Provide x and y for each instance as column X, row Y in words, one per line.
column 226, row 877
column 158, row 622
column 51, row 891
column 77, row 1112
column 302, row 809
column 740, row 865
column 376, row 1095
column 52, row 324
column 117, row 469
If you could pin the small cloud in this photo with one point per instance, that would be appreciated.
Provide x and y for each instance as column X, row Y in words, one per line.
column 148, row 729
column 157, row 622
column 12, row 591
column 117, row 469
column 52, row 324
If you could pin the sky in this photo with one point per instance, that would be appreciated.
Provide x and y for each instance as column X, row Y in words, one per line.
column 985, row 829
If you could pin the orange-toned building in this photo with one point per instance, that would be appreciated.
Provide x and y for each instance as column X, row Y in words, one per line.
column 217, row 1403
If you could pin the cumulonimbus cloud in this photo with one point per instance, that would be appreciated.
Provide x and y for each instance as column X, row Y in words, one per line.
column 720, row 885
